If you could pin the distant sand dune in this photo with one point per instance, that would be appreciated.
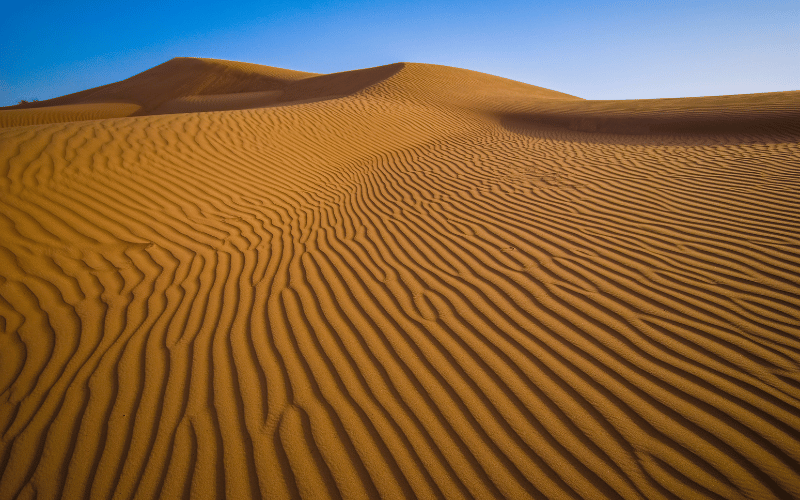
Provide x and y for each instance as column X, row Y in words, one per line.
column 183, row 77
column 413, row 281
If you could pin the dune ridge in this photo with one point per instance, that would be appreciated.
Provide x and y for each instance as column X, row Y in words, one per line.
column 407, row 281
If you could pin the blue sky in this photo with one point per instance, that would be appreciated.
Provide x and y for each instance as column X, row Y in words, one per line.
column 595, row 50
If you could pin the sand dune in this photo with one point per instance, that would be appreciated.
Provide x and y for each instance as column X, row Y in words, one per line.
column 405, row 281
column 187, row 85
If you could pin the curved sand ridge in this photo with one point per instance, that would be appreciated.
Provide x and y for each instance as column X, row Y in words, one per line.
column 420, row 289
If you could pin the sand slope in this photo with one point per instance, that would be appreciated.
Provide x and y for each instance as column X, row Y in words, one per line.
column 406, row 281
column 65, row 113
column 188, row 85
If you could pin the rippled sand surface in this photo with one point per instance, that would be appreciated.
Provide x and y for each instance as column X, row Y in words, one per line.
column 405, row 281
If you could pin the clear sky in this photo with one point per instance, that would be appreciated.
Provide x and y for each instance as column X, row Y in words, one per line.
column 595, row 50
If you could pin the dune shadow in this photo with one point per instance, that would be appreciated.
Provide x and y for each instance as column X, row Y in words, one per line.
column 641, row 122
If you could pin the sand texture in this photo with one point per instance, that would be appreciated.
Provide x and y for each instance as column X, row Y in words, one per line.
column 398, row 282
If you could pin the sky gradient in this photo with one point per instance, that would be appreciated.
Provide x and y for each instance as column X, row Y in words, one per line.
column 595, row 50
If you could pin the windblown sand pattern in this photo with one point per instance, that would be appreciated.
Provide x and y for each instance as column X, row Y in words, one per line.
column 407, row 281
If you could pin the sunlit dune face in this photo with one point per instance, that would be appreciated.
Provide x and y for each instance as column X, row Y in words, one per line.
column 228, row 280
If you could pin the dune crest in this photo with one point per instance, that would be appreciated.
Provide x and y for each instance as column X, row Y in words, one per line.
column 409, row 281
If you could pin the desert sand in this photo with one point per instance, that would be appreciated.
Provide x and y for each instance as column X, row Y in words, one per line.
column 225, row 280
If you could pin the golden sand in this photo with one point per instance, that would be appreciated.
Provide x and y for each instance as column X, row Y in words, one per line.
column 404, row 281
